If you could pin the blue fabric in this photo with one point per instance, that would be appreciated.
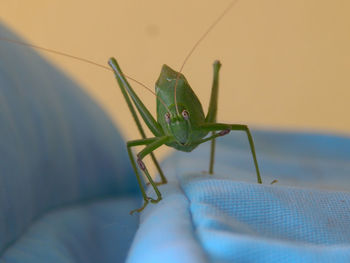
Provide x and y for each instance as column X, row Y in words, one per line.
column 228, row 217
column 59, row 155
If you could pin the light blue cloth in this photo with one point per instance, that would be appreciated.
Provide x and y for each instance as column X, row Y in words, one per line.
column 228, row 217
column 66, row 186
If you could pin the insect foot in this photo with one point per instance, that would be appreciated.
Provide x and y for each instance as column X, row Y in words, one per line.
column 139, row 209
column 274, row 181
column 154, row 201
column 224, row 132
column 141, row 164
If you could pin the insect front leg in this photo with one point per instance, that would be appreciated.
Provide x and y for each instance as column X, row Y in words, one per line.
column 212, row 111
column 148, row 150
column 226, row 128
column 130, row 144
column 152, row 144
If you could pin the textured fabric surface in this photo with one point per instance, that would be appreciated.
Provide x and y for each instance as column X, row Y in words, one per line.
column 58, row 148
column 228, row 217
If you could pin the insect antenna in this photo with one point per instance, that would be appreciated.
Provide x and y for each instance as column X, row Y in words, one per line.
column 210, row 28
column 91, row 62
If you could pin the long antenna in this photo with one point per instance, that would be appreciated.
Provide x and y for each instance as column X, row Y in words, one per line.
column 79, row 59
column 221, row 16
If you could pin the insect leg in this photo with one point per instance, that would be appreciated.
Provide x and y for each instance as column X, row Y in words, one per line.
column 210, row 138
column 130, row 144
column 137, row 121
column 159, row 141
column 226, row 128
column 212, row 111
column 152, row 124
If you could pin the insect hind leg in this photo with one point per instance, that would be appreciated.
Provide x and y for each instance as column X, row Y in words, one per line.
column 212, row 111
column 132, row 109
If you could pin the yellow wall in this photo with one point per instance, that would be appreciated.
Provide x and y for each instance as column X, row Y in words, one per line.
column 285, row 63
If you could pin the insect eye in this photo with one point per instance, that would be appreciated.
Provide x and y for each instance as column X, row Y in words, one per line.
column 167, row 117
column 185, row 114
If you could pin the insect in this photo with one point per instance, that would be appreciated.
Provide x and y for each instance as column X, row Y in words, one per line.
column 180, row 122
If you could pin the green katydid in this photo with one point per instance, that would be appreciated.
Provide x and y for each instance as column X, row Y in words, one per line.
column 180, row 123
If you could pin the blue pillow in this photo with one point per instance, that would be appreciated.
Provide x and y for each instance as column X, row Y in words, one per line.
column 66, row 185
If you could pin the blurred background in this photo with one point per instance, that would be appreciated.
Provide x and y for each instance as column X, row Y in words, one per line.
column 285, row 63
